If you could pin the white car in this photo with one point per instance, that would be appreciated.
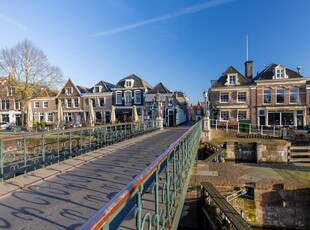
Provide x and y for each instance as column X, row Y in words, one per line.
column 4, row 124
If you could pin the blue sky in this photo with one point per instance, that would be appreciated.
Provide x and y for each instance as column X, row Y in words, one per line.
column 183, row 43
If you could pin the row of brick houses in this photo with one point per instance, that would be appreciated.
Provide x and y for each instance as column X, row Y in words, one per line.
column 128, row 92
column 277, row 96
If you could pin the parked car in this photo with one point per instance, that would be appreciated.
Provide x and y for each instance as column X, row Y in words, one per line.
column 4, row 124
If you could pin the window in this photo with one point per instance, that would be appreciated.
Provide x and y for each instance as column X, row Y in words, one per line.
column 5, row 104
column 232, row 79
column 280, row 73
column 241, row 96
column 129, row 83
column 224, row 97
column 241, row 115
column 267, row 96
column 97, row 89
column 128, row 98
column 17, row 104
column 280, row 96
column 118, row 98
column 62, row 101
column 86, row 101
column 34, row 116
column 45, row 104
column 137, row 97
column 224, row 116
column 262, row 113
column 92, row 100
column 68, row 91
column 101, row 102
column 76, row 103
column 10, row 91
column 41, row 116
column 36, row 104
column 69, row 103
column 49, row 116
column 294, row 92
column 5, row 118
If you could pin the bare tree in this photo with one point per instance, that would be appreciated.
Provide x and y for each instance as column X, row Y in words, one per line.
column 29, row 72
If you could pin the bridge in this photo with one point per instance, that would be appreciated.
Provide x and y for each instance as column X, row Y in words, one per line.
column 126, row 176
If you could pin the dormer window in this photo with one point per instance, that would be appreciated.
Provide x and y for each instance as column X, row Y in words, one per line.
column 129, row 83
column 232, row 79
column 279, row 72
column 97, row 89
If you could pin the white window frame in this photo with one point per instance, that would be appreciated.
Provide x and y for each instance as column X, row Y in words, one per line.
column 223, row 94
column 49, row 116
column 243, row 100
column 99, row 101
column 129, row 83
column 17, row 104
column 41, row 114
column 265, row 94
column 36, row 104
column 128, row 97
column 97, row 87
column 221, row 117
column 69, row 105
column 75, row 102
column 118, row 98
column 68, row 90
column 294, row 102
column 234, row 77
column 242, row 111
column 45, row 104
column 137, row 93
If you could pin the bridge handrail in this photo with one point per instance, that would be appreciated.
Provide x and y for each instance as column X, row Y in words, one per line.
column 27, row 152
column 102, row 218
column 218, row 152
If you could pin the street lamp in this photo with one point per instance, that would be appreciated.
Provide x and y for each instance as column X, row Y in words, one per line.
column 158, row 103
column 205, row 96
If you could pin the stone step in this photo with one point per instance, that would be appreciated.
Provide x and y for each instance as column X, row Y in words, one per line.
column 300, row 160
column 299, row 148
column 300, row 154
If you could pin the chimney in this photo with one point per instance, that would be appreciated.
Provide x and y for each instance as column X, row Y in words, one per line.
column 249, row 69
column 298, row 69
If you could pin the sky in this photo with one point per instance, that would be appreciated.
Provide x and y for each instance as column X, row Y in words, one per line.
column 182, row 43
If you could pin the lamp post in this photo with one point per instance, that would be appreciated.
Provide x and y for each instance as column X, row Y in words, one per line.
column 158, row 117
column 206, row 117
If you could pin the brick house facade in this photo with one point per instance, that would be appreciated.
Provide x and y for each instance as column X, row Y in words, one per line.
column 277, row 96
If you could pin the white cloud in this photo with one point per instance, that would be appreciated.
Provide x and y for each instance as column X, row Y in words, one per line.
column 180, row 13
column 12, row 21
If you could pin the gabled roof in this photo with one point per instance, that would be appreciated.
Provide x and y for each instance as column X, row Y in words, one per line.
column 268, row 73
column 160, row 88
column 69, row 81
column 223, row 79
column 138, row 82
column 106, row 86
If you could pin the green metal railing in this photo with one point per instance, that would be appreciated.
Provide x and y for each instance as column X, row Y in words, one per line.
column 155, row 198
column 28, row 152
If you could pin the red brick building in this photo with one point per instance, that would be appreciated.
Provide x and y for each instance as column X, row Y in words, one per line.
column 277, row 96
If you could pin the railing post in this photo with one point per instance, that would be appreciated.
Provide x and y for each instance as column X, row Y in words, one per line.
column 238, row 128
column 226, row 126
column 1, row 160
column 157, row 200
column 43, row 151
column 58, row 145
column 25, row 156
column 250, row 127
column 261, row 129
column 139, row 208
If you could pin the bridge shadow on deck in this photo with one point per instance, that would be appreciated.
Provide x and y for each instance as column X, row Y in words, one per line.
column 67, row 200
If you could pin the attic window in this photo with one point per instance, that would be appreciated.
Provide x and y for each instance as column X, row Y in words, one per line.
column 279, row 72
column 97, row 89
column 232, row 79
column 69, row 90
column 129, row 83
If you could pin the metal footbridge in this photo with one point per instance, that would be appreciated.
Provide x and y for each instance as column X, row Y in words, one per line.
column 126, row 176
